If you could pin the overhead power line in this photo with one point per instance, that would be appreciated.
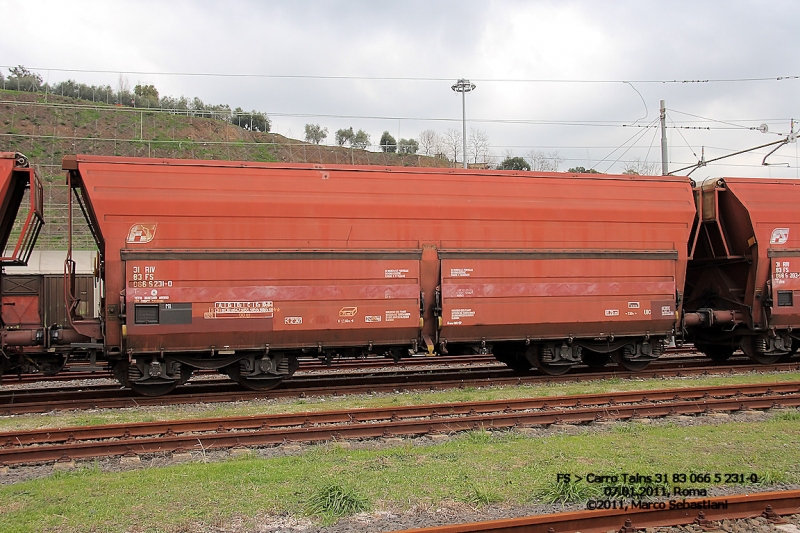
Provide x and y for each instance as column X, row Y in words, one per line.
column 404, row 78
column 738, row 126
column 273, row 114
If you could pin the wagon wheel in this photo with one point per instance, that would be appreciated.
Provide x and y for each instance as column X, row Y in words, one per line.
column 512, row 356
column 267, row 382
column 749, row 349
column 186, row 374
column 715, row 352
column 594, row 359
column 517, row 363
column 534, row 355
column 627, row 364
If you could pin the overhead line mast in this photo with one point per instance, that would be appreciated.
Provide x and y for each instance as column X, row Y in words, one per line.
column 664, row 158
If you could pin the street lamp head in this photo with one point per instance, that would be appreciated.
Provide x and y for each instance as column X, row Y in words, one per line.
column 463, row 86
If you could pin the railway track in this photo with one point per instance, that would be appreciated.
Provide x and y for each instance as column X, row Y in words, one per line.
column 112, row 396
column 52, row 444
column 767, row 506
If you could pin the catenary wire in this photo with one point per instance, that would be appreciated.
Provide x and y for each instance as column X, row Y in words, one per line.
column 409, row 78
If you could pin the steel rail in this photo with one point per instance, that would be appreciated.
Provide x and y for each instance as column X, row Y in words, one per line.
column 613, row 400
column 34, row 446
column 735, row 507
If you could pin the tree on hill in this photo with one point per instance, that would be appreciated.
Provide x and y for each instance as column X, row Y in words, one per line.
column 388, row 143
column 145, row 96
column 430, row 143
column 171, row 103
column 73, row 89
column 315, row 133
column 252, row 121
column 637, row 167
column 514, row 163
column 23, row 79
column 407, row 146
column 360, row 140
column 478, row 146
column 544, row 162
column 146, row 91
column 344, row 136
column 452, row 144
column 582, row 170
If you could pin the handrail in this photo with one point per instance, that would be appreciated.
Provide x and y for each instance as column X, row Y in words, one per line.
column 23, row 178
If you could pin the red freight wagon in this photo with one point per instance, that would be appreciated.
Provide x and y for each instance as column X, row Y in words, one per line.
column 246, row 266
column 745, row 269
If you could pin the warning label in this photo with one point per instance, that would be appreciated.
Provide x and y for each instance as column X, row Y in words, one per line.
column 263, row 309
column 391, row 316
column 460, row 272
column 395, row 272
column 455, row 314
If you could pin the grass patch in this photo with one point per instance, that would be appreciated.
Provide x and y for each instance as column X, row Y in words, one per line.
column 334, row 501
column 772, row 476
column 479, row 496
column 561, row 491
column 789, row 416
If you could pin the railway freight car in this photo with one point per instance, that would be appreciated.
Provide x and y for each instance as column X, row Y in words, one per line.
column 245, row 267
column 745, row 269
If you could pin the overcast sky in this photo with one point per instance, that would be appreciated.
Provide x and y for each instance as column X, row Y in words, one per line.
column 275, row 57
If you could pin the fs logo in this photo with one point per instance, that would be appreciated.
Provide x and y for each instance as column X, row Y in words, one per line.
column 779, row 236
column 141, row 233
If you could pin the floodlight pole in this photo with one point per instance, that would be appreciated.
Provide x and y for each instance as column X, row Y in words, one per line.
column 464, row 86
